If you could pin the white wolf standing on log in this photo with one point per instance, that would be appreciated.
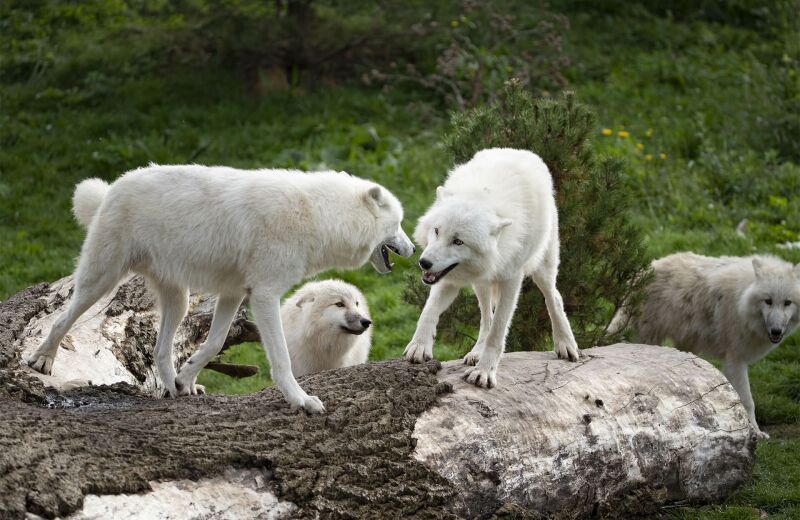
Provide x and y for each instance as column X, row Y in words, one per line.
column 231, row 232
column 738, row 309
column 493, row 223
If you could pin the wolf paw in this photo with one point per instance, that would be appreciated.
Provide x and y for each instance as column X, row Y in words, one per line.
column 472, row 358
column 42, row 363
column 417, row 352
column 185, row 385
column 567, row 350
column 486, row 378
column 761, row 435
column 310, row 403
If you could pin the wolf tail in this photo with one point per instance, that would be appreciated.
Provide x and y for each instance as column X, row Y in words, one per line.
column 620, row 321
column 89, row 194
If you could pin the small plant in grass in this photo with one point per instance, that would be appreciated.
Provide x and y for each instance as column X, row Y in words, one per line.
column 602, row 252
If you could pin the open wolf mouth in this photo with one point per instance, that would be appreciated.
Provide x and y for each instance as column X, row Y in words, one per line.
column 385, row 248
column 380, row 258
column 431, row 278
column 775, row 339
column 353, row 331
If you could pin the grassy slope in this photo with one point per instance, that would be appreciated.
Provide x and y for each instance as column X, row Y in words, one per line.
column 700, row 88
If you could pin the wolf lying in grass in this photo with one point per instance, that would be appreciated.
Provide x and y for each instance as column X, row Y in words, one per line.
column 493, row 223
column 231, row 232
column 736, row 309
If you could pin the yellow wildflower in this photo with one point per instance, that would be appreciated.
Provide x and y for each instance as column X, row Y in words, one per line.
column 606, row 131
column 454, row 23
column 649, row 132
column 623, row 133
column 662, row 156
column 648, row 157
column 639, row 146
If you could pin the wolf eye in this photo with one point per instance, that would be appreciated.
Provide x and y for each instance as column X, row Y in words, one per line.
column 768, row 301
column 458, row 242
column 787, row 303
column 356, row 303
column 340, row 304
column 436, row 231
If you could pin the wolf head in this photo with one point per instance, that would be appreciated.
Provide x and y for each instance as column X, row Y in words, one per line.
column 457, row 236
column 774, row 296
column 388, row 214
column 335, row 306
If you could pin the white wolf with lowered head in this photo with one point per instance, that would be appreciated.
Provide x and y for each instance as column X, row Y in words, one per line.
column 230, row 232
column 494, row 222
column 737, row 309
column 326, row 325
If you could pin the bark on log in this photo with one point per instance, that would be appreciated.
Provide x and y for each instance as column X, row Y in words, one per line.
column 624, row 431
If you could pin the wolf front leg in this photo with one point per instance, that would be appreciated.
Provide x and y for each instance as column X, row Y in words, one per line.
column 420, row 348
column 484, row 294
column 266, row 306
column 224, row 312
column 484, row 373
column 736, row 372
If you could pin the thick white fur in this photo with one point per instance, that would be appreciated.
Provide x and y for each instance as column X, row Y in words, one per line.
column 501, row 205
column 327, row 326
column 227, row 231
column 718, row 306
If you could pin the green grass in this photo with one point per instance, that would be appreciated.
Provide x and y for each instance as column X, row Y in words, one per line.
column 710, row 93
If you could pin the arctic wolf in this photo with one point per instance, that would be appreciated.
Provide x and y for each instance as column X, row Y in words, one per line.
column 736, row 309
column 494, row 222
column 231, row 232
column 326, row 326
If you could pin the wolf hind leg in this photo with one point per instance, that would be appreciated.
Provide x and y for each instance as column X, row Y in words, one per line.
column 484, row 373
column 544, row 276
column 93, row 279
column 174, row 302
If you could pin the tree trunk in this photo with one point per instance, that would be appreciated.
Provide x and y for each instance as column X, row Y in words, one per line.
column 623, row 431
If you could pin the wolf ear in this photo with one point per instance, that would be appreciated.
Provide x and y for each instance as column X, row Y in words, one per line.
column 374, row 193
column 308, row 298
column 442, row 193
column 758, row 267
column 500, row 224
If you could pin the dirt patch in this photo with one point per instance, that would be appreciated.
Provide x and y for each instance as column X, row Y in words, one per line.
column 352, row 462
column 15, row 313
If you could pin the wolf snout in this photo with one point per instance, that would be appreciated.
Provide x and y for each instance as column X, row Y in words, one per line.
column 365, row 323
column 425, row 263
column 775, row 334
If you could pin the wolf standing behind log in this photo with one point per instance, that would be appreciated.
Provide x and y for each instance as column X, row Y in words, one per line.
column 327, row 326
column 736, row 309
column 494, row 222
column 231, row 232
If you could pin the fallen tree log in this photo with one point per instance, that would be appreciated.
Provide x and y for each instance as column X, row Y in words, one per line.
column 624, row 431
column 117, row 335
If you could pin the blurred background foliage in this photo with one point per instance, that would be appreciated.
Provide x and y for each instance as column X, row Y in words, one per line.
column 696, row 107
